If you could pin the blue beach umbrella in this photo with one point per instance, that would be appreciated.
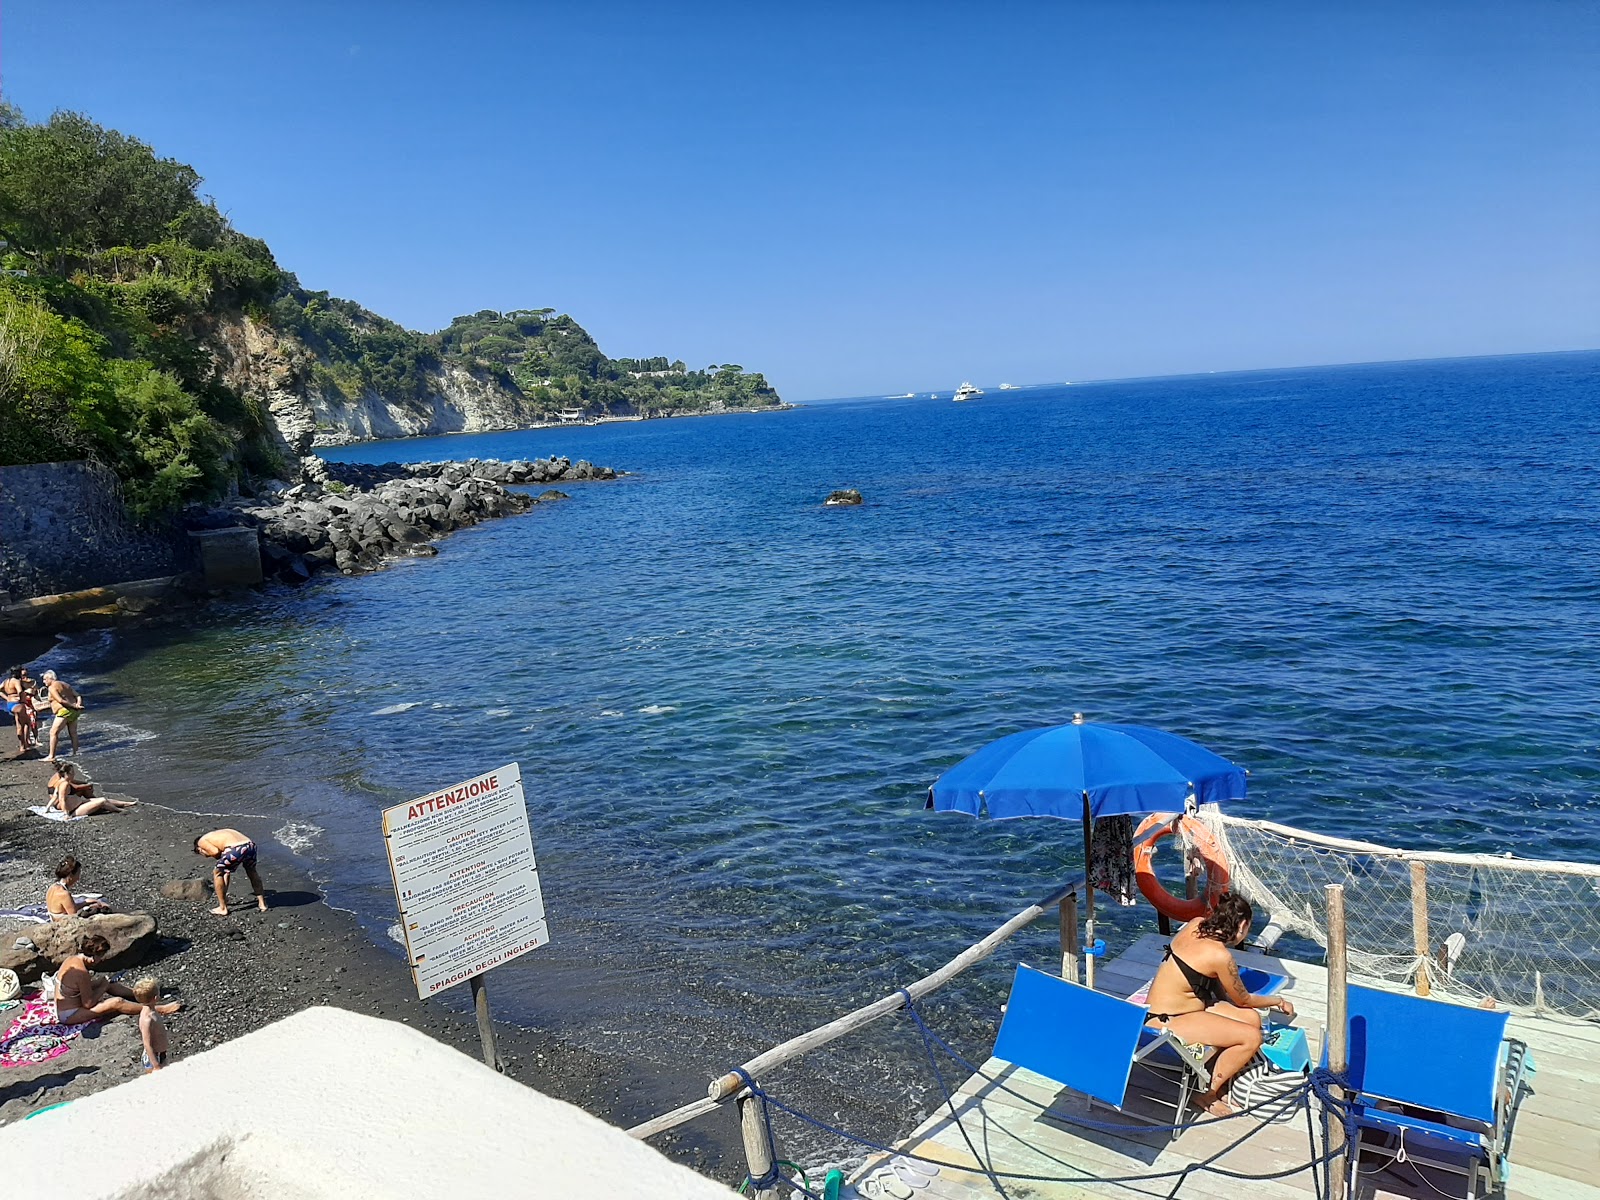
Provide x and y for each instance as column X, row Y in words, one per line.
column 1084, row 771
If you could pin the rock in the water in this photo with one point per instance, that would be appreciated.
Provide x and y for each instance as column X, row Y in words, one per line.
column 551, row 494
column 843, row 496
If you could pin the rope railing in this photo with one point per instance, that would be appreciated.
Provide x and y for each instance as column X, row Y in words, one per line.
column 730, row 1085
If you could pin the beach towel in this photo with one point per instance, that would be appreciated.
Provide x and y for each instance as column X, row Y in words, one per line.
column 35, row 1036
column 50, row 814
column 38, row 912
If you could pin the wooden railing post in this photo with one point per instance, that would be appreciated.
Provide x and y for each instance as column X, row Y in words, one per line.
column 1419, row 925
column 1338, row 1010
column 1069, row 937
column 757, row 1149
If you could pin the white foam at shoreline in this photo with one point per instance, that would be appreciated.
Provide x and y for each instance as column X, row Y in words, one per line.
column 108, row 735
column 297, row 836
column 391, row 709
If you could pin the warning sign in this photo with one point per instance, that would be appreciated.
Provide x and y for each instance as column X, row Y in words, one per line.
column 465, row 879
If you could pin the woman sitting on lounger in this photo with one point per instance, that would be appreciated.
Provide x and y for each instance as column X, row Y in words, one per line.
column 77, row 799
column 1197, row 994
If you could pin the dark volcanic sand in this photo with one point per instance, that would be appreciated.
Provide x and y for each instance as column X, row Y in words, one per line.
column 240, row 972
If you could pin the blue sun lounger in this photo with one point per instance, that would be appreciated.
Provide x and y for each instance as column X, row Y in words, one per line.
column 1091, row 1042
column 1439, row 1081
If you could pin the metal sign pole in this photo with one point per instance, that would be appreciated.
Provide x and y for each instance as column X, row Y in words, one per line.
column 480, row 1001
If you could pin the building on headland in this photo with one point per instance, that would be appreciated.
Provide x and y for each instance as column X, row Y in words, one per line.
column 403, row 1116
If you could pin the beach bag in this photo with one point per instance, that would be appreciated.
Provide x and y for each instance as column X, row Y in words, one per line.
column 10, row 985
column 1278, row 1070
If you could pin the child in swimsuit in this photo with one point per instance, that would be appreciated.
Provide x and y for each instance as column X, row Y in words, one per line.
column 153, row 1033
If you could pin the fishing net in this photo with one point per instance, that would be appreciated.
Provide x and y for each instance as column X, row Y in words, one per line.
column 1523, row 931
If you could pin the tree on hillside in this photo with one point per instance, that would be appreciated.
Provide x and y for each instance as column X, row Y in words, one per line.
column 71, row 185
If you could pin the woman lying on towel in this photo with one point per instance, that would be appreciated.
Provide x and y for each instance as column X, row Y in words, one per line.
column 1197, row 994
column 76, row 798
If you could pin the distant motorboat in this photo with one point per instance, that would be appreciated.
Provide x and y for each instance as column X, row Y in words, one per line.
column 966, row 392
column 1009, row 387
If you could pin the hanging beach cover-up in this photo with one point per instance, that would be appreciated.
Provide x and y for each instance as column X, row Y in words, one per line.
column 1111, row 859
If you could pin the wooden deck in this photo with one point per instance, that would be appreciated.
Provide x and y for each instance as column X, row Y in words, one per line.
column 1012, row 1117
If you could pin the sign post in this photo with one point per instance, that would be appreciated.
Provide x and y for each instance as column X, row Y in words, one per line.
column 467, row 886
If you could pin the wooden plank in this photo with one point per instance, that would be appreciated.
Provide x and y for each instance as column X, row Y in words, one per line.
column 1530, row 1183
column 1051, row 1153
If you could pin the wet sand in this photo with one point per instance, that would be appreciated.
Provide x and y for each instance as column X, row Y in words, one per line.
column 237, row 973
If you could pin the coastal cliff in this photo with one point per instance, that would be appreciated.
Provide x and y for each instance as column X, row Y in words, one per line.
column 139, row 329
column 305, row 407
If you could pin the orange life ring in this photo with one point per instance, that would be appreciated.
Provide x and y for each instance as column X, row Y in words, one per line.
column 1216, row 867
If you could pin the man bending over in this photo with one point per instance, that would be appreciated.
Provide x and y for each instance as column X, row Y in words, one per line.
column 232, row 850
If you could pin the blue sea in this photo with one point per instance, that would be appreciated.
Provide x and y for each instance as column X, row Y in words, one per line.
column 1377, row 587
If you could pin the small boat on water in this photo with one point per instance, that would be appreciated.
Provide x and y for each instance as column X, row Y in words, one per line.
column 967, row 392
column 1009, row 387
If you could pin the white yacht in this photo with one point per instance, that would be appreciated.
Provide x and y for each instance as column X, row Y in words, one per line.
column 967, row 392
column 1009, row 387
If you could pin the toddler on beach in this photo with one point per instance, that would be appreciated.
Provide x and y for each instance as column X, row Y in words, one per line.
column 148, row 993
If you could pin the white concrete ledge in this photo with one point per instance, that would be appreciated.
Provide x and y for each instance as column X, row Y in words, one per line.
column 329, row 1104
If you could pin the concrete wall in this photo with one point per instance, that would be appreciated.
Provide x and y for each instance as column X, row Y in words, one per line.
column 329, row 1105
column 63, row 528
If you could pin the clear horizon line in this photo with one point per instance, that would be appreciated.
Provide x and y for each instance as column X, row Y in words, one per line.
column 1368, row 362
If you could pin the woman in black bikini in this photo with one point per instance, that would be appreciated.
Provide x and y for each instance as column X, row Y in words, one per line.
column 1198, row 995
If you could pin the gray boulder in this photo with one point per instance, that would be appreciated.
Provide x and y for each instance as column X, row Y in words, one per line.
column 843, row 496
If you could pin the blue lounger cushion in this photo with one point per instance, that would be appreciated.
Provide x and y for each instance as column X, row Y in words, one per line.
column 1071, row 1034
column 1425, row 1053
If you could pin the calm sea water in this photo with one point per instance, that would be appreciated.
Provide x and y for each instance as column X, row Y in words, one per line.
column 1374, row 586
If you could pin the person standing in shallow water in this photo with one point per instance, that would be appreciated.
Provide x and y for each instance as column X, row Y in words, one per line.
column 19, row 703
column 232, row 850
column 68, row 707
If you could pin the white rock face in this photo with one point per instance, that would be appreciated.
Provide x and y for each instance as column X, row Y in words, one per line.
column 261, row 364
column 460, row 403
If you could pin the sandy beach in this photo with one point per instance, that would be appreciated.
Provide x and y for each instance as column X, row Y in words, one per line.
column 237, row 973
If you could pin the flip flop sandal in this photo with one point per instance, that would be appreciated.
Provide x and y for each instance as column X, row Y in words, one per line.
column 907, row 1176
column 884, row 1184
column 915, row 1166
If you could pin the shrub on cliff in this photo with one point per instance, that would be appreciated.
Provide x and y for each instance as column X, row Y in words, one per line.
column 64, row 398
column 117, row 271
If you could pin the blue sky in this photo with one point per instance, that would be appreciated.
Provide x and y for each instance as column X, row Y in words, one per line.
column 878, row 197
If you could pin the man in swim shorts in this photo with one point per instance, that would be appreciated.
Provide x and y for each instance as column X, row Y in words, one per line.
column 232, row 850
column 68, row 707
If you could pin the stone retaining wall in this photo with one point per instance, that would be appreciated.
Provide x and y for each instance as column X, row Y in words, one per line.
column 63, row 528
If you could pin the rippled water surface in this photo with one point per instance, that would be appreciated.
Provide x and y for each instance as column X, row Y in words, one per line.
column 1376, row 587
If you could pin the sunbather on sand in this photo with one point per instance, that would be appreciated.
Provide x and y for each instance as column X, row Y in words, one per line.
column 1198, row 995
column 58, row 899
column 232, row 850
column 75, row 797
column 82, row 996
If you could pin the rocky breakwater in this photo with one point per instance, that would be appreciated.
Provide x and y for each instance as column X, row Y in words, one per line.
column 354, row 517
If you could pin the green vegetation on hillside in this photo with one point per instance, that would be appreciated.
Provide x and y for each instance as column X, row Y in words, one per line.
column 554, row 362
column 115, row 268
column 118, row 276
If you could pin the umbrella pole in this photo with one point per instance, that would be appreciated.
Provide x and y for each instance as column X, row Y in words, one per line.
column 1088, row 892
